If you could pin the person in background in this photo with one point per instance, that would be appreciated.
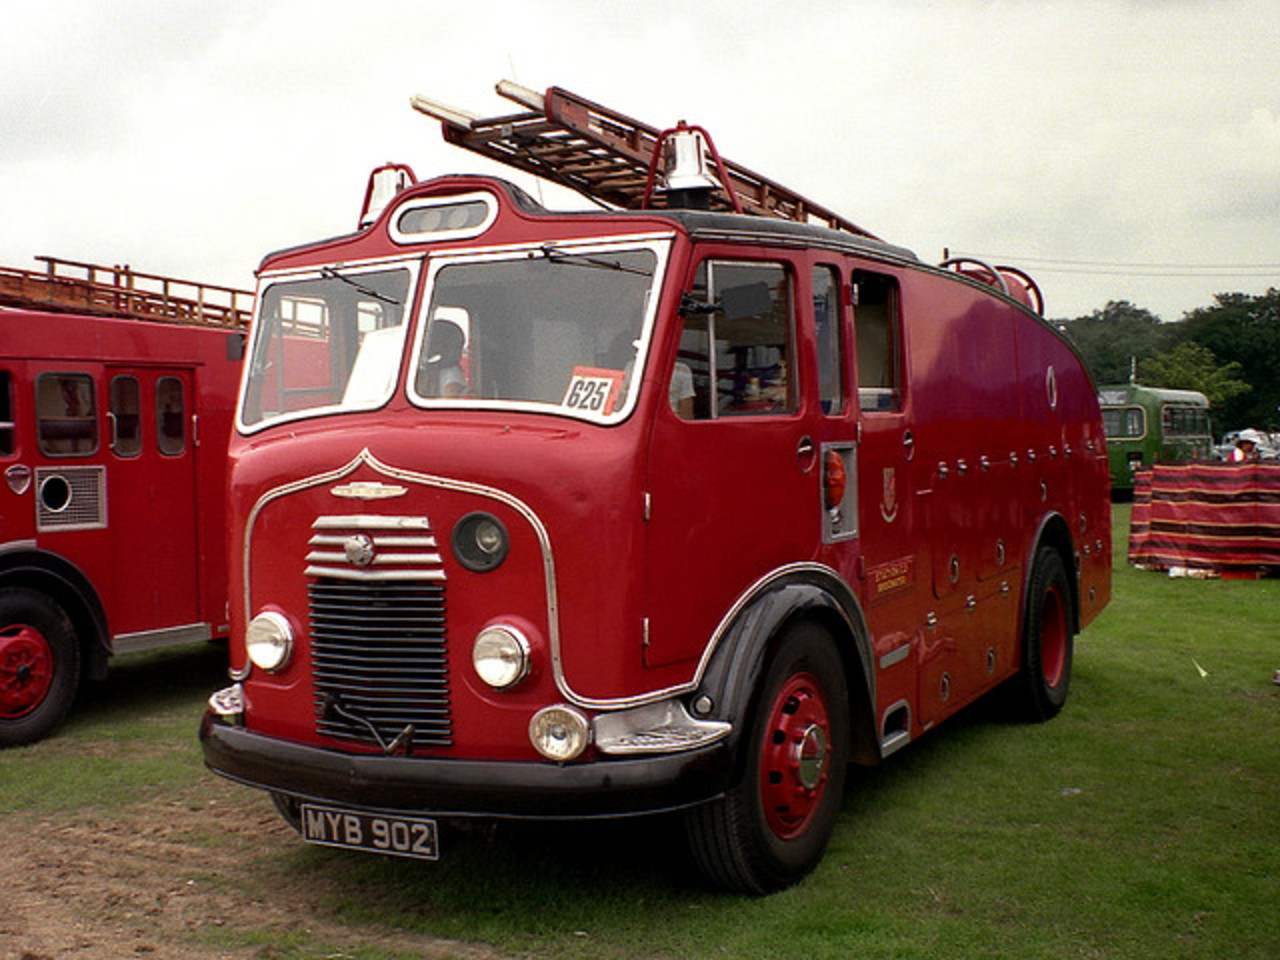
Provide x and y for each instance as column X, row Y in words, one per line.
column 1247, row 446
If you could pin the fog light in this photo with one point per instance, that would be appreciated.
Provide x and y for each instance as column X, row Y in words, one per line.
column 269, row 641
column 501, row 656
column 480, row 542
column 559, row 733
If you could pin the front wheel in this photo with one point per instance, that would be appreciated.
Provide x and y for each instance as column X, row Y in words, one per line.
column 39, row 666
column 1048, row 640
column 772, row 827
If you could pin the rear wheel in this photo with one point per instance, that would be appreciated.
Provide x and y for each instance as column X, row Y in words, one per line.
column 39, row 666
column 772, row 827
column 1048, row 640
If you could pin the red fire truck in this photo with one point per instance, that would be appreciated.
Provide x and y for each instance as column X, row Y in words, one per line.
column 116, row 397
column 681, row 504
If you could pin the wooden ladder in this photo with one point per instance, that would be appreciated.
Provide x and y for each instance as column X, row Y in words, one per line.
column 608, row 157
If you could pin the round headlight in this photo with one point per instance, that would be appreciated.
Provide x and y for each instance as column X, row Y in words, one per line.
column 269, row 641
column 480, row 542
column 501, row 656
column 559, row 733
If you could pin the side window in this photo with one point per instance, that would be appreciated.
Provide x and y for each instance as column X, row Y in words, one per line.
column 737, row 355
column 125, row 417
column 66, row 414
column 877, row 332
column 826, row 321
column 1135, row 422
column 171, row 418
column 6, row 414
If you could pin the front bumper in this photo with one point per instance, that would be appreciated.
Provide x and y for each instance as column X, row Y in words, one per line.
column 486, row 788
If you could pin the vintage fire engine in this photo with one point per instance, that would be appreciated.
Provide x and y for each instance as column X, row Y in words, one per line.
column 681, row 504
column 117, row 391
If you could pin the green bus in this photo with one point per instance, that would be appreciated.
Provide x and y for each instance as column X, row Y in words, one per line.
column 1149, row 424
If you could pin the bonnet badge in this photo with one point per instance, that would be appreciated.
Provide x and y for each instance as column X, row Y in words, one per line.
column 368, row 490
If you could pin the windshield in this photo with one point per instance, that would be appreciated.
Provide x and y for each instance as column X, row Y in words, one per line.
column 559, row 329
column 327, row 342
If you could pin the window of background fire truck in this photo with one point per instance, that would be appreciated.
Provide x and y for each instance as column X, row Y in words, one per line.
column 6, row 414
column 125, row 397
column 751, row 369
column 556, row 329
column 66, row 415
column 171, row 417
column 325, row 344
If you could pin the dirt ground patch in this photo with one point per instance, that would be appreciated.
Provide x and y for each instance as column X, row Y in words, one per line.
column 176, row 879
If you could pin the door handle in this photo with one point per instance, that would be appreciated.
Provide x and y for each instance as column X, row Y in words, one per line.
column 806, row 453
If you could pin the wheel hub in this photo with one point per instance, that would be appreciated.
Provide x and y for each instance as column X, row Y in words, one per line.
column 795, row 756
column 26, row 670
column 811, row 757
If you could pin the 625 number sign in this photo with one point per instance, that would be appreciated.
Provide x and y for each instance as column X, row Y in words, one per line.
column 593, row 390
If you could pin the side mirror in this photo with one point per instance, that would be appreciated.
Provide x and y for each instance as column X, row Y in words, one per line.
column 735, row 303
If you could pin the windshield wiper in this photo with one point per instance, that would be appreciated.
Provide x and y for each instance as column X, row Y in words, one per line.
column 367, row 291
column 556, row 255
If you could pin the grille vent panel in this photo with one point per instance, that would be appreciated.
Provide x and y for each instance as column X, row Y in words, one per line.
column 380, row 649
column 71, row 498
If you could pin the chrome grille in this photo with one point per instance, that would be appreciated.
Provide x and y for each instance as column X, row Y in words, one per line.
column 379, row 648
column 402, row 548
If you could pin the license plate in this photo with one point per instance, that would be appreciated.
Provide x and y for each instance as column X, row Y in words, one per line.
column 378, row 833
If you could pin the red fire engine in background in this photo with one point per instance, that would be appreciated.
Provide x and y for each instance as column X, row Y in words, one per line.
column 681, row 504
column 116, row 399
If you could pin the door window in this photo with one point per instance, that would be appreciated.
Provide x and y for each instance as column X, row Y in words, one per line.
column 171, row 418
column 827, row 326
column 878, row 339
column 66, row 415
column 126, row 418
column 737, row 347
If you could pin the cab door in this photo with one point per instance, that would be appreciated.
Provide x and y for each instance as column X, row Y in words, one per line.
column 152, row 506
column 895, row 554
column 732, row 493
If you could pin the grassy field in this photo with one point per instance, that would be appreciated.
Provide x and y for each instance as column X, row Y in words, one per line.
column 1141, row 823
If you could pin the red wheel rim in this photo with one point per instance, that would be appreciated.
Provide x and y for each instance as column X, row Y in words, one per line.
column 1053, row 637
column 26, row 670
column 795, row 756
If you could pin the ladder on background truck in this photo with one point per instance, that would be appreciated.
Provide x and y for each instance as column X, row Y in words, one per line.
column 67, row 286
column 609, row 157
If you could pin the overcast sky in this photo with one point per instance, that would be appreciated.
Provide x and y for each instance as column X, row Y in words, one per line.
column 1114, row 150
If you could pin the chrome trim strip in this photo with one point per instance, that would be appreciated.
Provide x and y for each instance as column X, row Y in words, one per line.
column 897, row 655
column 163, row 637
column 364, row 521
column 383, row 559
column 351, row 573
column 337, row 540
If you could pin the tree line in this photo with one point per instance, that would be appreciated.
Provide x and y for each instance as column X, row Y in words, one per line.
column 1229, row 351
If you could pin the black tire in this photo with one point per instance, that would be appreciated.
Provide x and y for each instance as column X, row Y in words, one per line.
column 1048, row 641
column 772, row 827
column 39, row 666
